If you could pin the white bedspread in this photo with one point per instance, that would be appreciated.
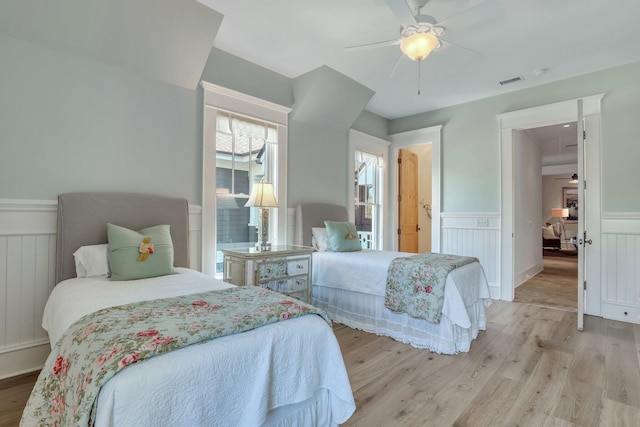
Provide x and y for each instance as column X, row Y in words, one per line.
column 366, row 272
column 350, row 286
column 239, row 380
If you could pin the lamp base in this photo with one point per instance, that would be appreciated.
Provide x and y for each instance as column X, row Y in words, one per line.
column 263, row 247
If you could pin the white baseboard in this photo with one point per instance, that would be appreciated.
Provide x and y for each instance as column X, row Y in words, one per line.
column 23, row 359
column 527, row 274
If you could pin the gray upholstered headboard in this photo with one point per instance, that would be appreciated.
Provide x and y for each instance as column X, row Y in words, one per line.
column 83, row 218
column 313, row 215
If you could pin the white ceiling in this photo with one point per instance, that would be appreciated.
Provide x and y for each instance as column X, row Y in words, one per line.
column 558, row 143
column 488, row 41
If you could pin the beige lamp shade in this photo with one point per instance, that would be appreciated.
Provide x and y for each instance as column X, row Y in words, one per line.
column 262, row 196
column 418, row 46
column 560, row 212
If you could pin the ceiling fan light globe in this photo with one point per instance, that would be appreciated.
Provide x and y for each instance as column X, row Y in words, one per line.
column 418, row 46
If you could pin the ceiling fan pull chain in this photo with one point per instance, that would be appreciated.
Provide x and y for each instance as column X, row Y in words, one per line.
column 419, row 77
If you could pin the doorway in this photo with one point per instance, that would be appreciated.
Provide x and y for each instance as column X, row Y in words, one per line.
column 546, row 267
column 414, row 203
column 421, row 141
column 560, row 112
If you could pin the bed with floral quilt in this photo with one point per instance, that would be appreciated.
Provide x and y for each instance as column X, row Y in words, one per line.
column 387, row 292
column 175, row 348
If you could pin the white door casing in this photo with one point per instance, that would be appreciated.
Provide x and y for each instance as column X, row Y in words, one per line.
column 430, row 135
column 560, row 112
column 582, row 220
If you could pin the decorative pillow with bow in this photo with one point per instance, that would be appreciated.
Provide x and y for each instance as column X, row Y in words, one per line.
column 139, row 254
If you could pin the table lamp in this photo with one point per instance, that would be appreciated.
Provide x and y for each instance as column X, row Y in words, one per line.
column 561, row 213
column 263, row 197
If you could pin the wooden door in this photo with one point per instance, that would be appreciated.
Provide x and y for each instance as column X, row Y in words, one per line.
column 408, row 201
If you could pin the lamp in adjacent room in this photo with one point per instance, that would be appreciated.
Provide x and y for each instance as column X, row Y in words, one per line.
column 561, row 213
column 263, row 197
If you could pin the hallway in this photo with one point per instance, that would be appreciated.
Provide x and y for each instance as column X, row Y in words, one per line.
column 556, row 286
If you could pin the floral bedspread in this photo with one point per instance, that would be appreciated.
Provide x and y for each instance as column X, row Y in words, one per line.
column 415, row 284
column 100, row 344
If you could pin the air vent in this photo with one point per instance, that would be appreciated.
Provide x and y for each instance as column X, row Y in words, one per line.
column 512, row 80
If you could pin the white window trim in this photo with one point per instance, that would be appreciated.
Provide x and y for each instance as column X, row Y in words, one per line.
column 360, row 141
column 220, row 98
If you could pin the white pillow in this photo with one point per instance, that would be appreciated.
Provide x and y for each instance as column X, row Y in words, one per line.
column 319, row 238
column 548, row 233
column 91, row 261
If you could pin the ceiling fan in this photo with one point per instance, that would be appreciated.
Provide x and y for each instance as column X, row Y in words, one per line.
column 420, row 33
column 572, row 180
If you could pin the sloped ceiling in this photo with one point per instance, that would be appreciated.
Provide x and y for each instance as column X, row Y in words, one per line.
column 321, row 99
column 168, row 40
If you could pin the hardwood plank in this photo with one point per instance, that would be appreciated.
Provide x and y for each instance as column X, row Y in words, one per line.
column 556, row 286
column 475, row 369
column 565, row 336
column 589, row 356
column 491, row 406
column 528, row 348
column 616, row 414
column 14, row 393
column 542, row 389
column 579, row 403
column 622, row 373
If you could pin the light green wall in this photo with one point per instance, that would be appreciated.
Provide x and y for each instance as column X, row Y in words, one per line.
column 372, row 124
column 470, row 144
column 72, row 124
column 317, row 165
column 224, row 69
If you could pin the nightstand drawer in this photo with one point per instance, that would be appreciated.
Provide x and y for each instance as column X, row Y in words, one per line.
column 295, row 285
column 271, row 270
column 298, row 266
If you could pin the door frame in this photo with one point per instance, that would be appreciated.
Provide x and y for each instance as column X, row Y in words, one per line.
column 545, row 115
column 430, row 135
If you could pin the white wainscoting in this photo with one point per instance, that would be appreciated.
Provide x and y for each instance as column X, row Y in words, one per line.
column 27, row 276
column 621, row 266
column 475, row 234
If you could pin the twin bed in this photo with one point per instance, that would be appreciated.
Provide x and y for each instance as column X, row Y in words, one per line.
column 350, row 287
column 283, row 373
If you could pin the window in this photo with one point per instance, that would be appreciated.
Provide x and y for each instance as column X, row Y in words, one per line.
column 368, row 189
column 245, row 154
column 244, row 141
column 368, row 206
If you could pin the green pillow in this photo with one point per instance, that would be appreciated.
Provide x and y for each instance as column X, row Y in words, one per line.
column 342, row 236
column 130, row 259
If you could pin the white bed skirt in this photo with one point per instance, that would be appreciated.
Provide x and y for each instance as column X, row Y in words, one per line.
column 367, row 312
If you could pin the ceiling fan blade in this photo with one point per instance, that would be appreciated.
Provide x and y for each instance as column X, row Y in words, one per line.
column 403, row 12
column 372, row 45
column 446, row 44
column 397, row 64
column 473, row 15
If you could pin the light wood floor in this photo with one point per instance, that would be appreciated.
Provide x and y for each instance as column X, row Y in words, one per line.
column 555, row 286
column 530, row 368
